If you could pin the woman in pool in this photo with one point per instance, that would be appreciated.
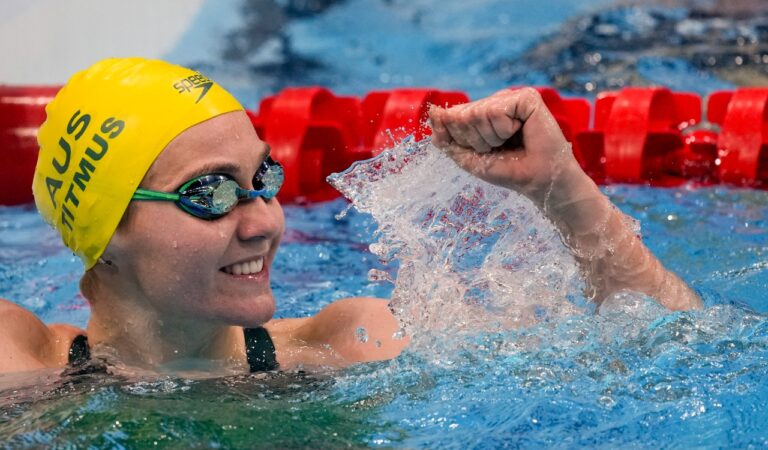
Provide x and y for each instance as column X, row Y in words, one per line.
column 155, row 177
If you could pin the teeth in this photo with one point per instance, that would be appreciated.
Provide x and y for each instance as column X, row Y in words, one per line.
column 245, row 268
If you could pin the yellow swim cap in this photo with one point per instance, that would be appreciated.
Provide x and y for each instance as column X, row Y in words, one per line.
column 103, row 131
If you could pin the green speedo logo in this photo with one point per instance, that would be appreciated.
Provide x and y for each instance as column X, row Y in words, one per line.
column 196, row 81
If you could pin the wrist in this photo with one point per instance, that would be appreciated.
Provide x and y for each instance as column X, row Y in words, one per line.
column 575, row 204
column 567, row 187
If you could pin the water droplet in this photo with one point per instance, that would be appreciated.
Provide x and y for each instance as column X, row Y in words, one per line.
column 607, row 401
column 391, row 136
column 361, row 335
column 379, row 275
column 344, row 212
column 377, row 248
column 399, row 334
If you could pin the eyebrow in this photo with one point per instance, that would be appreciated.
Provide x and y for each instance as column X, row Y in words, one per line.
column 214, row 168
column 222, row 167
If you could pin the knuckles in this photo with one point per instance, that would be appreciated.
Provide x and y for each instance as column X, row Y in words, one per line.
column 497, row 109
column 528, row 93
column 476, row 116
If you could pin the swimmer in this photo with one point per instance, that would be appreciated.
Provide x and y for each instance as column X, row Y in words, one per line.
column 154, row 176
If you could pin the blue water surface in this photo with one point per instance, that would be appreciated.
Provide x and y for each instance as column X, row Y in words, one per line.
column 633, row 376
column 638, row 377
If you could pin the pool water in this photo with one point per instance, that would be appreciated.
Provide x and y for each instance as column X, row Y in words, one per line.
column 628, row 375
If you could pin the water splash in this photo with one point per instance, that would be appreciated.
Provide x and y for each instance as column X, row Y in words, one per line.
column 472, row 257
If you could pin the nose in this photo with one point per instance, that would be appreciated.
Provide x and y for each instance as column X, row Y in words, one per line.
column 259, row 219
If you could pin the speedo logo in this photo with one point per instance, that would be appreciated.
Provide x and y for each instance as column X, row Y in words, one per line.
column 197, row 81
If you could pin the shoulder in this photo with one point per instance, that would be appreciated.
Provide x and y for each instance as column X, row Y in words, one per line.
column 357, row 312
column 357, row 329
column 26, row 343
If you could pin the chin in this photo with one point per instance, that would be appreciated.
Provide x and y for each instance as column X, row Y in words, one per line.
column 248, row 313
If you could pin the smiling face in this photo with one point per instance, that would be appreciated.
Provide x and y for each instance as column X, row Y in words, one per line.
column 184, row 267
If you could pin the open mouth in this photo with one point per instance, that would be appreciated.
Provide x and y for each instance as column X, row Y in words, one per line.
column 251, row 267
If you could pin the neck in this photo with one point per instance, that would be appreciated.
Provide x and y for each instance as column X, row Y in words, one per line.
column 139, row 335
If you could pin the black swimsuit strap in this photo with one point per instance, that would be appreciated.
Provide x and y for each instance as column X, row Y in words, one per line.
column 258, row 347
column 260, row 350
column 79, row 351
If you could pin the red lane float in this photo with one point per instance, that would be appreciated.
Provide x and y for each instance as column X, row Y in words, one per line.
column 743, row 141
column 639, row 135
column 390, row 116
column 312, row 133
column 22, row 111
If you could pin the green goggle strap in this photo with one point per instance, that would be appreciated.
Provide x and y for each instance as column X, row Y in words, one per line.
column 146, row 194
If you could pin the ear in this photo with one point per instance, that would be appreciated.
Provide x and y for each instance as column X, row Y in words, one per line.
column 107, row 264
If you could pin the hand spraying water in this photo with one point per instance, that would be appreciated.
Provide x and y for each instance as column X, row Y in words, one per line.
column 472, row 257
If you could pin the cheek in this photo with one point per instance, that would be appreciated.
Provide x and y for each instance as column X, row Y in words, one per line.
column 176, row 261
column 279, row 220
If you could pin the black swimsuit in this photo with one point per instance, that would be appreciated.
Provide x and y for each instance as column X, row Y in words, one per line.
column 258, row 348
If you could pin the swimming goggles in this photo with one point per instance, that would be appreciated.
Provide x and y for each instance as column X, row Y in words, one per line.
column 214, row 195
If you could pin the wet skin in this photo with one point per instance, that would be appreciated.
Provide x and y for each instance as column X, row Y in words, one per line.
column 169, row 292
column 167, row 261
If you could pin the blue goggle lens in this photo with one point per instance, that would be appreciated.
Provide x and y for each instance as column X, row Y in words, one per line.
column 214, row 195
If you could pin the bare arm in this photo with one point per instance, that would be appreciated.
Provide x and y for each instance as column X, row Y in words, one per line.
column 26, row 343
column 510, row 139
column 347, row 331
